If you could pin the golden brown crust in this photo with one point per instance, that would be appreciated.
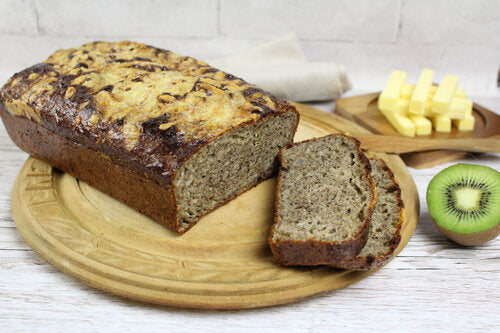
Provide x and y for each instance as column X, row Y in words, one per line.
column 124, row 184
column 138, row 113
column 308, row 253
column 129, row 97
column 135, row 190
column 366, row 263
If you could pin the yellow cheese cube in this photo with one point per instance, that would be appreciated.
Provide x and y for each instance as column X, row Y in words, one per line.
column 423, row 125
column 444, row 94
column 427, row 109
column 407, row 90
column 468, row 107
column 421, row 92
column 466, row 124
column 416, row 109
column 400, row 122
column 441, row 123
column 457, row 109
column 388, row 98
column 460, row 93
column 402, row 106
column 432, row 92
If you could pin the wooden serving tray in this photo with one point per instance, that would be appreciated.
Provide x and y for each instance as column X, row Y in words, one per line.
column 222, row 263
column 364, row 111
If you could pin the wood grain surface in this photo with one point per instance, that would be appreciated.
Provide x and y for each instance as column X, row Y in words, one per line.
column 222, row 263
column 363, row 110
column 400, row 145
column 432, row 285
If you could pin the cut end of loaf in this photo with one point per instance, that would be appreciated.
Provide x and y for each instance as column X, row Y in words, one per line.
column 233, row 163
column 324, row 202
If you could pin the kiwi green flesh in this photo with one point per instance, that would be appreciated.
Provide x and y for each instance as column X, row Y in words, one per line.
column 465, row 198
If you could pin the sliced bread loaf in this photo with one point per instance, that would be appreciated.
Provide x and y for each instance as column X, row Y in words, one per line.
column 324, row 202
column 165, row 134
column 385, row 227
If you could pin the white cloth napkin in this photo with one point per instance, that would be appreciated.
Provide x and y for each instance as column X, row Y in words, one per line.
column 280, row 67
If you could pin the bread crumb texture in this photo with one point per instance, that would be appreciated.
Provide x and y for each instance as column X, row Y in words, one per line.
column 387, row 217
column 324, row 193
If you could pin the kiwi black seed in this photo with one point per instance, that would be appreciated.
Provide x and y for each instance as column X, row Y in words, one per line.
column 464, row 203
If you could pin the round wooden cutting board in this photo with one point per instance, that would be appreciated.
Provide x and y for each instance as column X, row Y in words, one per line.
column 223, row 262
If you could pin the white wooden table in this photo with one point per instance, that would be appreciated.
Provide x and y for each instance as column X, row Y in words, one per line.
column 432, row 285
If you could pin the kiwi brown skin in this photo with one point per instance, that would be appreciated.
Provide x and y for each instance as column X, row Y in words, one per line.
column 474, row 239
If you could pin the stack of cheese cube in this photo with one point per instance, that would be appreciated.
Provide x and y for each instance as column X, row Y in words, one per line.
column 416, row 109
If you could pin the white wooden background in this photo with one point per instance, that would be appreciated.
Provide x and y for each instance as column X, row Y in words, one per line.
column 432, row 285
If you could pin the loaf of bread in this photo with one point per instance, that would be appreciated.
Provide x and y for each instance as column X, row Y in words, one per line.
column 324, row 202
column 168, row 135
column 387, row 219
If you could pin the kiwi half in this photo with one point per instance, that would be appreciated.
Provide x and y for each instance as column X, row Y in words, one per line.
column 464, row 203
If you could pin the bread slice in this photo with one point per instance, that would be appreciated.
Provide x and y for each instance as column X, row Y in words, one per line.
column 324, row 202
column 385, row 227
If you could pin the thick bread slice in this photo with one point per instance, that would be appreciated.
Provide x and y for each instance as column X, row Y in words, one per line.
column 387, row 219
column 324, row 202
